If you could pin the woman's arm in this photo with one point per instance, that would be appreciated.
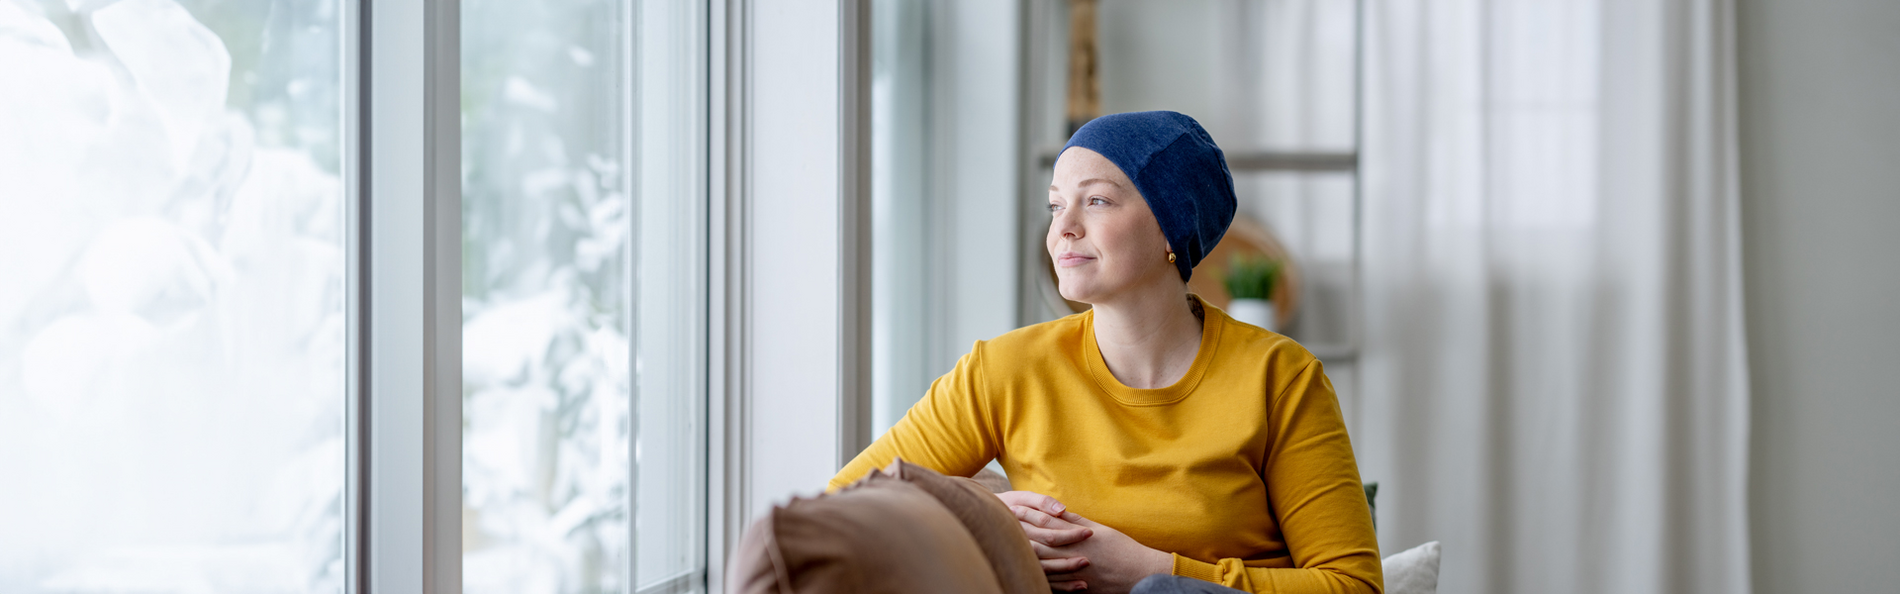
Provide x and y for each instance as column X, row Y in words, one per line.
column 1313, row 485
column 949, row 431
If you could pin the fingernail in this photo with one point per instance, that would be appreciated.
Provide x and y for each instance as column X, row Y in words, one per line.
column 1058, row 507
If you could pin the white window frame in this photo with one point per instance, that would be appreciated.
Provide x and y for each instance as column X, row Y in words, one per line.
column 790, row 314
column 403, row 171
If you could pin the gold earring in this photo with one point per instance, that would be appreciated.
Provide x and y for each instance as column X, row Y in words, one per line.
column 1170, row 257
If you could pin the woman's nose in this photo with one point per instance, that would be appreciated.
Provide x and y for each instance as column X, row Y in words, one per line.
column 1065, row 226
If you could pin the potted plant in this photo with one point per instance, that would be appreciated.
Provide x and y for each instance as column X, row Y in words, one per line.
column 1249, row 283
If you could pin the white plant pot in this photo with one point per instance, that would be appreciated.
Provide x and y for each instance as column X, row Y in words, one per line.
column 1258, row 312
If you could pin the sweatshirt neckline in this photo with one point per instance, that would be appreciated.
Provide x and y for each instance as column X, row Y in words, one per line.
column 1212, row 320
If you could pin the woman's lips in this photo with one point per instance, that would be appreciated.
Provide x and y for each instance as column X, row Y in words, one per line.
column 1072, row 259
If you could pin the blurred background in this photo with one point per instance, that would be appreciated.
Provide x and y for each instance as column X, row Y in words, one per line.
column 1599, row 282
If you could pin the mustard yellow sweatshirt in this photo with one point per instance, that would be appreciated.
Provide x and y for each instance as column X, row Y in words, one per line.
column 1242, row 468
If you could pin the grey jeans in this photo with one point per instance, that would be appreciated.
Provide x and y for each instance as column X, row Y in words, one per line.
column 1174, row 584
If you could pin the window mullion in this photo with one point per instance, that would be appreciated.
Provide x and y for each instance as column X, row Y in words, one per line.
column 410, row 348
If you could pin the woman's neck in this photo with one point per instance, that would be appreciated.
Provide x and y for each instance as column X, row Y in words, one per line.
column 1150, row 339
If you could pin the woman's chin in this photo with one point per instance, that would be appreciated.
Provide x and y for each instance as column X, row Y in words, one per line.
column 1077, row 295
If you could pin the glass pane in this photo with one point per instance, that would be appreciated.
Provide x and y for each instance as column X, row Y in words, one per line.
column 583, row 292
column 546, row 335
column 172, row 331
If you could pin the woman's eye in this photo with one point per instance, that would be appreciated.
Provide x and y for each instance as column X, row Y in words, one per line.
column 1053, row 207
column 1097, row 200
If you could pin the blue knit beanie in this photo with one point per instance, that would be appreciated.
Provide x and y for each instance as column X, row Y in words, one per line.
column 1177, row 169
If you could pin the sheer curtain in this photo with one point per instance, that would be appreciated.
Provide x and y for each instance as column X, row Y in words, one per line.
column 1553, row 380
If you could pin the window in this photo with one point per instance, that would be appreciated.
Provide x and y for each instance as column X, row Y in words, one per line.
column 172, row 331
column 583, row 221
column 177, row 332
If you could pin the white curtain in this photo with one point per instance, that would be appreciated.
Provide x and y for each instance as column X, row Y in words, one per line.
column 1553, row 381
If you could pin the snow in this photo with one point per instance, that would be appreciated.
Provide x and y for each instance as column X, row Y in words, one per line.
column 170, row 324
column 181, row 68
column 172, row 332
column 521, row 92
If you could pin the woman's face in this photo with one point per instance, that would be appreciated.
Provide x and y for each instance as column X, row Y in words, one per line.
column 1102, row 236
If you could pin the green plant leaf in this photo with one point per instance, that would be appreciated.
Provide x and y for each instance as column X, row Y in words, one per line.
column 1251, row 277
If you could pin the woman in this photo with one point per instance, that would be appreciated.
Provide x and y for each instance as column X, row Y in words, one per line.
column 1151, row 436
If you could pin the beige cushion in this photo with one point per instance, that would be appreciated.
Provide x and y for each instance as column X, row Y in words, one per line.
column 988, row 520
column 755, row 567
column 992, row 480
column 878, row 535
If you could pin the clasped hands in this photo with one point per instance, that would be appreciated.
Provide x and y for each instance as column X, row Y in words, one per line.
column 1079, row 554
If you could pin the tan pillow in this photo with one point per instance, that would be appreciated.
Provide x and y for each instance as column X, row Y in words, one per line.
column 989, row 522
column 878, row 535
column 755, row 567
column 992, row 480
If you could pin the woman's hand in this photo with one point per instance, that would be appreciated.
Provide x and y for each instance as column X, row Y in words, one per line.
column 1079, row 554
column 1040, row 517
column 1114, row 562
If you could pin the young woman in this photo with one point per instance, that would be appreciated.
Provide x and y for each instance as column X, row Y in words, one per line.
column 1153, row 438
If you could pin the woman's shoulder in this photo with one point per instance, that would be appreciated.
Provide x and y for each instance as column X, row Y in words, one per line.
column 1035, row 341
column 1279, row 353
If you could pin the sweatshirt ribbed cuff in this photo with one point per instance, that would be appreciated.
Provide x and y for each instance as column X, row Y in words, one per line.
column 1185, row 567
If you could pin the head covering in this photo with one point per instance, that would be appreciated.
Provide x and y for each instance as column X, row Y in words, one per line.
column 1177, row 169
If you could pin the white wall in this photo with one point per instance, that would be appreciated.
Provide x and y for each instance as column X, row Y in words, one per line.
column 796, row 275
column 974, row 97
column 950, row 275
column 1820, row 125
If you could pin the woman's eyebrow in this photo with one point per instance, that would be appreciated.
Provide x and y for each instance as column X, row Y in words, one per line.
column 1088, row 182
